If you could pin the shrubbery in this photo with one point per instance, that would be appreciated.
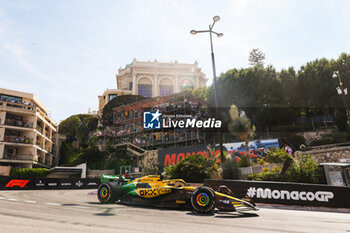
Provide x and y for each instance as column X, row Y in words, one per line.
column 29, row 173
column 303, row 170
column 290, row 128
column 334, row 137
column 244, row 161
column 277, row 156
column 322, row 141
column 339, row 137
column 230, row 169
column 194, row 168
column 297, row 141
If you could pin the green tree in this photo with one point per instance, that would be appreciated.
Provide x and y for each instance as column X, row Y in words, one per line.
column 274, row 114
column 69, row 126
column 309, row 90
column 256, row 57
column 280, row 156
column 67, row 154
column 201, row 93
column 78, row 126
column 92, row 155
column 242, row 128
column 194, row 168
column 230, row 169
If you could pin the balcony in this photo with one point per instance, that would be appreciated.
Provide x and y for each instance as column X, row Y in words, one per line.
column 18, row 123
column 40, row 130
column 18, row 139
column 21, row 106
column 39, row 144
column 18, row 157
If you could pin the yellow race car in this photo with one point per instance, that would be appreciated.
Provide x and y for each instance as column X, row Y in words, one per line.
column 175, row 193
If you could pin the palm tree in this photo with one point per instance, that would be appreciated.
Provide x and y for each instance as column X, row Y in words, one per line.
column 241, row 127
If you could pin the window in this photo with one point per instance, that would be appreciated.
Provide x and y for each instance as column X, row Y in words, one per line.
column 145, row 90
column 130, row 85
column 165, row 90
column 112, row 96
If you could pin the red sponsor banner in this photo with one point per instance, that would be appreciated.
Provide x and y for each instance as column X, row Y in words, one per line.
column 173, row 156
column 17, row 183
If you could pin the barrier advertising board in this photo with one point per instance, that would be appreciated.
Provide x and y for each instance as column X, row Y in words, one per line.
column 7, row 183
column 173, row 156
column 288, row 193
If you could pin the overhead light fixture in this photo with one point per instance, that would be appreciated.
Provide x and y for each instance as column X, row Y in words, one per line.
column 216, row 18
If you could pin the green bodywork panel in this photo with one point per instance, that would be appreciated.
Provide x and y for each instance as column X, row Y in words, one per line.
column 128, row 188
column 127, row 185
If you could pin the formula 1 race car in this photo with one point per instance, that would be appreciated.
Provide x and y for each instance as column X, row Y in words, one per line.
column 176, row 193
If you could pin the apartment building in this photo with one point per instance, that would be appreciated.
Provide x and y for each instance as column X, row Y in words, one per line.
column 28, row 136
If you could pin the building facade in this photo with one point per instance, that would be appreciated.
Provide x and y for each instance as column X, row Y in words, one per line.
column 28, row 136
column 127, row 124
column 152, row 79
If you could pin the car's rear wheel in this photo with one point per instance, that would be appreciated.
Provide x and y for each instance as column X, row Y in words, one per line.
column 107, row 193
column 203, row 200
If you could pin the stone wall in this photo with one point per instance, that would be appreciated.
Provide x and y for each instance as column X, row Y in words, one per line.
column 314, row 135
column 330, row 154
column 245, row 171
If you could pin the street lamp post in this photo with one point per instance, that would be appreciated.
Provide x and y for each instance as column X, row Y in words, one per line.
column 194, row 32
column 343, row 92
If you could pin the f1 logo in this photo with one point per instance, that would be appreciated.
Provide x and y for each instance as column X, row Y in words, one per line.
column 151, row 120
column 19, row 183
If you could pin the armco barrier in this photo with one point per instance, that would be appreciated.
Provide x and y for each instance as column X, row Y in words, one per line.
column 288, row 193
column 7, row 183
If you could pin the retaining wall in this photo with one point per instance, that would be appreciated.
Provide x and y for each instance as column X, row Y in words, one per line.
column 330, row 154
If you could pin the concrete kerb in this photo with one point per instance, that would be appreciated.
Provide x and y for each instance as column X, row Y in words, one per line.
column 302, row 208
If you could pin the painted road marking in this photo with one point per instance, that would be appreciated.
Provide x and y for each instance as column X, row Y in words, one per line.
column 55, row 204
column 48, row 203
column 29, row 201
column 79, row 206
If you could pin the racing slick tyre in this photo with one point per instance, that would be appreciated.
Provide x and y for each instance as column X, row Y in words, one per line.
column 107, row 193
column 203, row 200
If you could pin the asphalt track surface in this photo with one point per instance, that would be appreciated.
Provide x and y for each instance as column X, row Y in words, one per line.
column 79, row 211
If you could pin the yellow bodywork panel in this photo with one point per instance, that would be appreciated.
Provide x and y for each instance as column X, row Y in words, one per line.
column 159, row 187
column 152, row 192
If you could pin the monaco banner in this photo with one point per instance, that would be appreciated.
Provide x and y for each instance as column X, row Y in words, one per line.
column 288, row 193
column 173, row 156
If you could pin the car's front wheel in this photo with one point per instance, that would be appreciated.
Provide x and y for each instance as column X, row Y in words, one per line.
column 107, row 193
column 203, row 200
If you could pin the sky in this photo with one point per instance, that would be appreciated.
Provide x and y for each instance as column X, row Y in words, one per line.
column 67, row 52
